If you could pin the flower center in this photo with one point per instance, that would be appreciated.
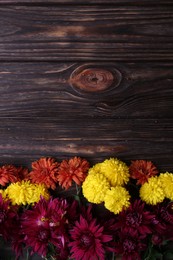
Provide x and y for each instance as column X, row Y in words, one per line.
column 43, row 235
column 133, row 219
column 2, row 216
column 87, row 240
column 129, row 245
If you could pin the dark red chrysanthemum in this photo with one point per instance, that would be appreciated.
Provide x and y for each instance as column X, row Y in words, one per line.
column 142, row 170
column 8, row 216
column 8, row 174
column 135, row 220
column 74, row 169
column 164, row 218
column 129, row 247
column 157, row 239
column 45, row 171
column 18, row 241
column 45, row 224
column 88, row 240
column 165, row 212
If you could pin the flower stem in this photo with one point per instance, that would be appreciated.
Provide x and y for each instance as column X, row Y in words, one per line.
column 149, row 253
column 27, row 254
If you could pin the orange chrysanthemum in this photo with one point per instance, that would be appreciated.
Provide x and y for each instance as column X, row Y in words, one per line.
column 23, row 173
column 74, row 169
column 8, row 174
column 45, row 171
column 142, row 170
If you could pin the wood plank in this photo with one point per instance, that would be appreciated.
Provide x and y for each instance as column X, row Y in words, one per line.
column 45, row 90
column 24, row 140
column 49, row 2
column 86, row 33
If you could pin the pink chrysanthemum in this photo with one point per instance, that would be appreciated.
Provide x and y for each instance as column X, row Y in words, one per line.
column 45, row 224
column 74, row 169
column 8, row 174
column 142, row 170
column 88, row 240
column 136, row 220
column 8, row 216
column 45, row 171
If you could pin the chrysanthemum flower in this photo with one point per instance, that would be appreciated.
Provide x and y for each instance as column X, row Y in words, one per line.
column 3, row 193
column 117, row 199
column 164, row 213
column 135, row 220
column 8, row 174
column 8, row 215
column 167, row 184
column 40, row 190
column 142, row 170
column 95, row 187
column 157, row 239
column 88, row 240
column 24, row 192
column 45, row 224
column 95, row 169
column 45, row 171
column 23, row 173
column 75, row 169
column 116, row 171
column 152, row 192
column 129, row 247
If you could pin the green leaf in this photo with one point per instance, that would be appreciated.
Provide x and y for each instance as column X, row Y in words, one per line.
column 168, row 255
column 154, row 255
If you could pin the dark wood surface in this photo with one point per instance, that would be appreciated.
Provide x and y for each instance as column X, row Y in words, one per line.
column 75, row 2
column 25, row 140
column 86, row 33
column 89, row 78
column 86, row 78
column 143, row 90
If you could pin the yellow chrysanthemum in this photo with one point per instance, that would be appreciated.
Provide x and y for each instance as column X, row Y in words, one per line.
column 152, row 192
column 117, row 199
column 116, row 171
column 25, row 192
column 40, row 190
column 167, row 184
column 3, row 193
column 95, row 187
column 95, row 169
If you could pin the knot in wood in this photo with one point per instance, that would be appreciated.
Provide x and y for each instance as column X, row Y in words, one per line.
column 92, row 79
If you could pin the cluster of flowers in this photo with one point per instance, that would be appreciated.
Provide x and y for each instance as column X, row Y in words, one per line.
column 106, row 180
column 134, row 218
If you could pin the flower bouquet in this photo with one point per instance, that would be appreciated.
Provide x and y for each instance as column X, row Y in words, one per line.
column 71, row 210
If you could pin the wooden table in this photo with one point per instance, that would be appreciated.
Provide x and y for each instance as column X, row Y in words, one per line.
column 86, row 78
column 90, row 78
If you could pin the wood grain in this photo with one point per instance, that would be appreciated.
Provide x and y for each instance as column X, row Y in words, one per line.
column 24, row 140
column 90, row 78
column 107, row 2
column 44, row 33
column 44, row 90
